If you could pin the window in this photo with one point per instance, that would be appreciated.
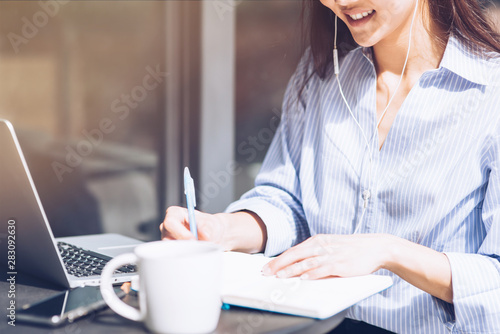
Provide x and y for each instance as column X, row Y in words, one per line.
column 268, row 35
column 85, row 85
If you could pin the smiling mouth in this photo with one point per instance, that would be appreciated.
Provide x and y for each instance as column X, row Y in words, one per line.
column 359, row 16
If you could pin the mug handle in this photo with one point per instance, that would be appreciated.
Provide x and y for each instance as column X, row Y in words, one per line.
column 109, row 295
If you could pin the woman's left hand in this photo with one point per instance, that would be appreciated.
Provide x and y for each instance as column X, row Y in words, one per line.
column 325, row 255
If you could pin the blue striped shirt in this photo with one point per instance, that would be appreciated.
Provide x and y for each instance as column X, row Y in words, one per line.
column 436, row 181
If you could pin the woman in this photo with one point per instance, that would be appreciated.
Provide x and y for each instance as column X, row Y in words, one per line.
column 389, row 163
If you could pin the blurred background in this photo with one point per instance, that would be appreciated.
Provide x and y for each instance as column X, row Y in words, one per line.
column 111, row 99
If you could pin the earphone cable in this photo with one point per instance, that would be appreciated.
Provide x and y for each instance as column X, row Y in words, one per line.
column 366, row 193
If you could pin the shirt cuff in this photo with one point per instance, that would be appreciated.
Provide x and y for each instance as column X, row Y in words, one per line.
column 476, row 293
column 279, row 231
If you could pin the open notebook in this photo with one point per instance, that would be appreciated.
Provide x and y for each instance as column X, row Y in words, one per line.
column 244, row 285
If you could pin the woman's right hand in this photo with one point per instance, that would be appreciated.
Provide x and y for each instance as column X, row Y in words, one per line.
column 241, row 231
column 210, row 227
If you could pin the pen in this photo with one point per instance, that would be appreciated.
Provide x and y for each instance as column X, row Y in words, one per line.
column 190, row 200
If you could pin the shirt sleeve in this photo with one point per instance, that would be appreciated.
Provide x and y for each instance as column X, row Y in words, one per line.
column 276, row 197
column 476, row 277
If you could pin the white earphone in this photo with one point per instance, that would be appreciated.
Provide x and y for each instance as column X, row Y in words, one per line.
column 366, row 193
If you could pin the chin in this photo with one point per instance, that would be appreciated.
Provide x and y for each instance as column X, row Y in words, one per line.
column 370, row 37
column 368, row 40
column 364, row 43
column 367, row 36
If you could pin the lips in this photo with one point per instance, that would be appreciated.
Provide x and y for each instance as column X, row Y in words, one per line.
column 359, row 18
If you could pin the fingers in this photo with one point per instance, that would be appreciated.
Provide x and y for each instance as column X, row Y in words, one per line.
column 300, row 268
column 330, row 255
column 317, row 273
column 310, row 260
column 290, row 262
column 311, row 268
column 174, row 227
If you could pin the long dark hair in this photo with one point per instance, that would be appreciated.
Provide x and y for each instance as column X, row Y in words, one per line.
column 465, row 19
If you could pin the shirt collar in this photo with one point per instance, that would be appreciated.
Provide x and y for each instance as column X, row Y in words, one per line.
column 463, row 59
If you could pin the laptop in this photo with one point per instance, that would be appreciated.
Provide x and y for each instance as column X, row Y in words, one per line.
column 27, row 243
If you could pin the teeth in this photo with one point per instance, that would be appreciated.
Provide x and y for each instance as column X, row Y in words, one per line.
column 361, row 15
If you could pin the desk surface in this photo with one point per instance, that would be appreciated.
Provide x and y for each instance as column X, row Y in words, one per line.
column 234, row 320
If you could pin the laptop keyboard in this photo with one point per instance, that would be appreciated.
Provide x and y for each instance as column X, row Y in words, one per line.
column 83, row 263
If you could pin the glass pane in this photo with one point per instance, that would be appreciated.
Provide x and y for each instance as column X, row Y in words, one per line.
column 82, row 82
column 268, row 49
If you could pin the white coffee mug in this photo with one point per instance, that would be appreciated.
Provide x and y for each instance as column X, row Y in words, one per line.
column 179, row 283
